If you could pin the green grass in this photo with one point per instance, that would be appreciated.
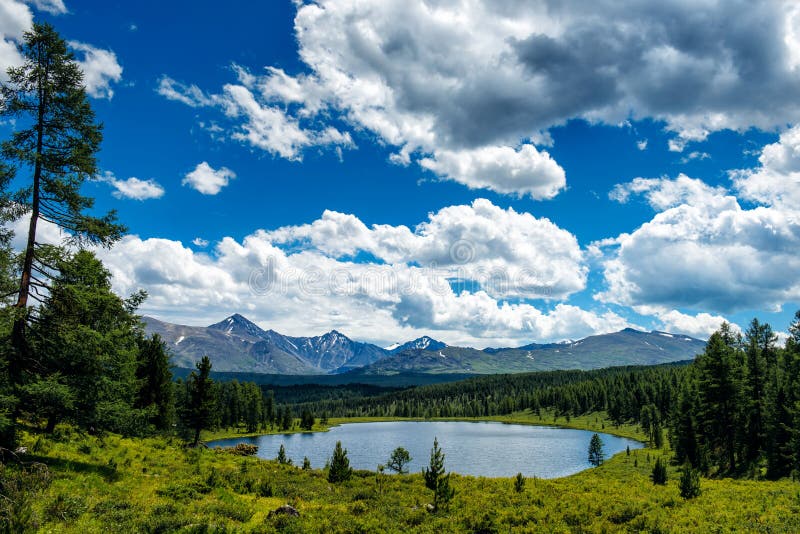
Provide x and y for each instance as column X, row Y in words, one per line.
column 157, row 485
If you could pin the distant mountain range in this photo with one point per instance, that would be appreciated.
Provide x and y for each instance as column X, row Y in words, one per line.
column 236, row 344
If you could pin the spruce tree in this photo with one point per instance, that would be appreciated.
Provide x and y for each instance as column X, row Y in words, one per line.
column 54, row 142
column 435, row 478
column 339, row 469
column 85, row 342
column 519, row 483
column 659, row 473
column 201, row 399
column 689, row 483
column 155, row 389
column 282, row 459
column 596, row 454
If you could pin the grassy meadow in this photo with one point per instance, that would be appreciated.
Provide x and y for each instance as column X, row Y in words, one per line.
column 153, row 485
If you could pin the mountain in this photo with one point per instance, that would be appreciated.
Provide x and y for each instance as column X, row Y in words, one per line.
column 421, row 343
column 236, row 344
column 627, row 347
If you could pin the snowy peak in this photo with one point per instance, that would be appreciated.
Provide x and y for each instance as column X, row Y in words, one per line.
column 240, row 326
column 421, row 343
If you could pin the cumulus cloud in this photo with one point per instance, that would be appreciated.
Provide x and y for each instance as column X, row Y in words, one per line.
column 207, row 180
column 703, row 250
column 100, row 69
column 449, row 83
column 304, row 279
column 133, row 187
column 776, row 181
column 15, row 19
column 700, row 325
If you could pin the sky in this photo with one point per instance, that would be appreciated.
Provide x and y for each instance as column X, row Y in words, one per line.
column 489, row 173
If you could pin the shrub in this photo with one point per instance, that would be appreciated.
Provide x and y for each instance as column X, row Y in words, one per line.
column 689, row 483
column 65, row 507
column 659, row 473
column 519, row 483
column 339, row 470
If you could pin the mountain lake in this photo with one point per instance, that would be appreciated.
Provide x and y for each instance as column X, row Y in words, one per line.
column 487, row 449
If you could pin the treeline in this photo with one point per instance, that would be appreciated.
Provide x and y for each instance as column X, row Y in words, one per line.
column 621, row 391
column 738, row 412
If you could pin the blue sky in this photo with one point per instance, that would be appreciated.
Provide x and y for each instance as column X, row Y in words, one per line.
column 608, row 174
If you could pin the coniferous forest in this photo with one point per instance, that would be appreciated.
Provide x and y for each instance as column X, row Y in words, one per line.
column 96, row 434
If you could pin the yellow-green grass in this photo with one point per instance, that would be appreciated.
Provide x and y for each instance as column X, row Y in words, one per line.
column 158, row 485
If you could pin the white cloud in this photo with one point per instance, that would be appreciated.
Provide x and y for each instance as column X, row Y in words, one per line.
column 641, row 144
column 777, row 179
column 207, row 180
column 134, row 187
column 663, row 193
column 54, row 7
column 443, row 82
column 200, row 242
column 191, row 95
column 700, row 325
column 502, row 169
column 302, row 279
column 100, row 68
column 703, row 250
column 15, row 19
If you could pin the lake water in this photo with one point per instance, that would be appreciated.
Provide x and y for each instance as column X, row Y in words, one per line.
column 480, row 449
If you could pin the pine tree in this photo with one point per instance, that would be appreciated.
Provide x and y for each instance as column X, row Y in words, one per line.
column 306, row 463
column 282, row 459
column 398, row 460
column 56, row 140
column 85, row 339
column 659, row 473
column 519, row 483
column 435, row 478
column 155, row 389
column 201, row 399
column 689, row 483
column 339, row 469
column 306, row 419
column 596, row 454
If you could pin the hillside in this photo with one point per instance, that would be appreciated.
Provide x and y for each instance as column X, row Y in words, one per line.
column 237, row 345
column 627, row 347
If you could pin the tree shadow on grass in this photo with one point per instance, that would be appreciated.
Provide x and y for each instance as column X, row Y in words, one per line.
column 60, row 465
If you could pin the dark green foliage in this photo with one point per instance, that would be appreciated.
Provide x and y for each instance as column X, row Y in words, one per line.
column 519, row 483
column 306, row 463
column 339, row 469
column 282, row 459
column 689, row 483
column 201, row 401
column 596, row 454
column 659, row 473
column 435, row 478
column 54, row 142
column 155, row 391
column 85, row 343
column 398, row 460
column 307, row 419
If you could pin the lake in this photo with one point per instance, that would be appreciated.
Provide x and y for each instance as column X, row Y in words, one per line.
column 487, row 449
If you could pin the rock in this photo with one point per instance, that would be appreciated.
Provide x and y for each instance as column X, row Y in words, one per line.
column 21, row 450
column 429, row 507
column 286, row 509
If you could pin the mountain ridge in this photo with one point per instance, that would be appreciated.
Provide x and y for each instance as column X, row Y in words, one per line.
column 237, row 344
